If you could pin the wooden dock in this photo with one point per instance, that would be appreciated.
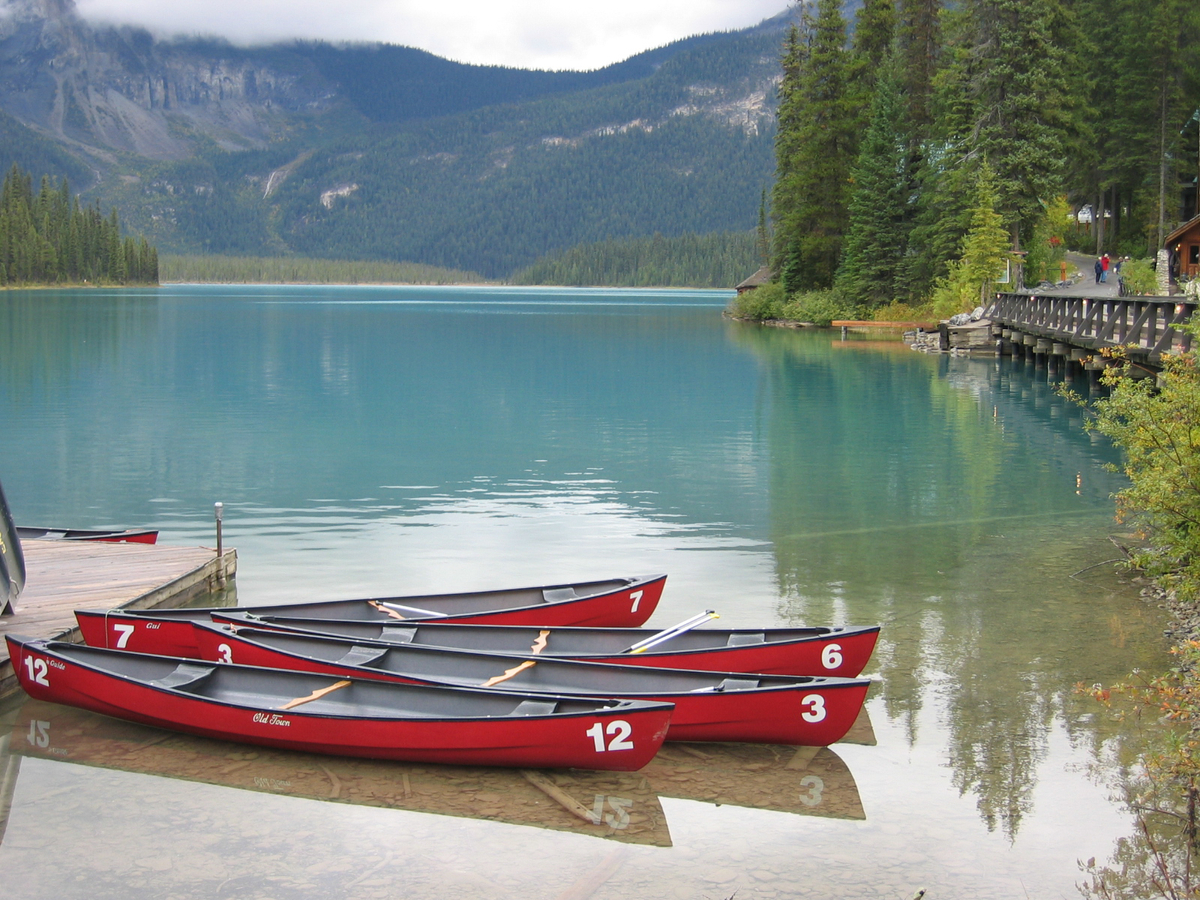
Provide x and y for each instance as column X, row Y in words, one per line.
column 62, row 576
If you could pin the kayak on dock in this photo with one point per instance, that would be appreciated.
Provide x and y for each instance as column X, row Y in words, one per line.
column 709, row 706
column 344, row 716
column 616, row 602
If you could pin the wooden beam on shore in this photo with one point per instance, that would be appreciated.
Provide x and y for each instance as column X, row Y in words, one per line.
column 907, row 326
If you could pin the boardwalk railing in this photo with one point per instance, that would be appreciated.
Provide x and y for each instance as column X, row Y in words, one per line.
column 1146, row 326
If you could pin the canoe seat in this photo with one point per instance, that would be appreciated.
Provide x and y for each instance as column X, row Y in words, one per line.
column 740, row 640
column 553, row 595
column 535, row 708
column 738, row 684
column 398, row 635
column 361, row 656
column 184, row 673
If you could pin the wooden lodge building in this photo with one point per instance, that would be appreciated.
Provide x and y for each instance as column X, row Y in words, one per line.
column 1184, row 246
column 758, row 279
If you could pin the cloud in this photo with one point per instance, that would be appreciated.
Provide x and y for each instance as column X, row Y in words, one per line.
column 547, row 34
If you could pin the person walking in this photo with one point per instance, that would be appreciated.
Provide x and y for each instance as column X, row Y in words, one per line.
column 1099, row 267
column 1104, row 264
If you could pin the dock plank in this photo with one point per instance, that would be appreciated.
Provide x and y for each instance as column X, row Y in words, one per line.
column 62, row 576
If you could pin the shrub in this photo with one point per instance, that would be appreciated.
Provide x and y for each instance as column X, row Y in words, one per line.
column 765, row 302
column 1156, row 423
column 1139, row 277
column 817, row 307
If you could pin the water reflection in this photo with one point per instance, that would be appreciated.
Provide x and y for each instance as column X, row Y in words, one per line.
column 621, row 806
column 963, row 537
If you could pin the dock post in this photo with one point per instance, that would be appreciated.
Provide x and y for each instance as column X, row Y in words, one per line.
column 219, row 509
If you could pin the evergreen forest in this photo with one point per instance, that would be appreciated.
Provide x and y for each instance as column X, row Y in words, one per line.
column 215, row 269
column 718, row 260
column 924, row 147
column 48, row 238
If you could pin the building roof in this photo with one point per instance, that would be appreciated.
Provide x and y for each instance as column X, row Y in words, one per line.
column 759, row 278
column 1182, row 230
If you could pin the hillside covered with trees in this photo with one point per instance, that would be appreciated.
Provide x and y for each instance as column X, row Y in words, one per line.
column 384, row 153
column 920, row 151
column 48, row 238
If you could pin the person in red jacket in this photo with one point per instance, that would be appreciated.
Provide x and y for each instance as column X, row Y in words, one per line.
column 1104, row 263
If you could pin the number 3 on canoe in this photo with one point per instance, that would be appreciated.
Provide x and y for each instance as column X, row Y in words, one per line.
column 619, row 728
column 816, row 708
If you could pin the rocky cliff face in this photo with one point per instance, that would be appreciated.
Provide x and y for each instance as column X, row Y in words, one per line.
column 117, row 89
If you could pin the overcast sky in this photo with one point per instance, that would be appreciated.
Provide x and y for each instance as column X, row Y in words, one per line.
column 542, row 34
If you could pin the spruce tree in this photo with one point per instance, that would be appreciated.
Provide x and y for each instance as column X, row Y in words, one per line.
column 876, row 240
column 1021, row 104
column 973, row 275
column 818, row 143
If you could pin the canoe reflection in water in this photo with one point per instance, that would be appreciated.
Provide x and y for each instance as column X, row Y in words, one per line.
column 622, row 806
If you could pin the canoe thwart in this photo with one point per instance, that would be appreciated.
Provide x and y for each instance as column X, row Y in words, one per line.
column 738, row 684
column 535, row 708
column 184, row 673
column 741, row 640
column 397, row 635
column 362, row 656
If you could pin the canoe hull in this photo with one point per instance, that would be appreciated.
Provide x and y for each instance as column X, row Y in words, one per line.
column 809, row 711
column 127, row 536
column 621, row 603
column 832, row 651
column 621, row 737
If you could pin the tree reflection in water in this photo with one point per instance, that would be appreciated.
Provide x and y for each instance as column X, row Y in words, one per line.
column 951, row 500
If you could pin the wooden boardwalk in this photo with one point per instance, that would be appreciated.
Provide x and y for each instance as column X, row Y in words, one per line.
column 63, row 576
column 1055, row 323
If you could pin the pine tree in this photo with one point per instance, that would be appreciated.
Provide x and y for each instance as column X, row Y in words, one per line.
column 1021, row 105
column 874, row 31
column 819, row 144
column 876, row 240
column 974, row 274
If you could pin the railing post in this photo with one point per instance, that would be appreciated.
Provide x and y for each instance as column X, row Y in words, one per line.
column 219, row 509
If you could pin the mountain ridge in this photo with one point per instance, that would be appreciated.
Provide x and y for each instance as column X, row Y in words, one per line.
column 382, row 151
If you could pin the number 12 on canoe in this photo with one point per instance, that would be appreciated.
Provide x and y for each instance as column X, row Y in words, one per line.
column 619, row 729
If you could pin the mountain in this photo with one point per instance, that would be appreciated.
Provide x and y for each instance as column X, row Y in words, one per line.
column 385, row 152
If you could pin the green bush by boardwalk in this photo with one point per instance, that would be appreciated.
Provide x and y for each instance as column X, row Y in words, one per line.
column 48, row 238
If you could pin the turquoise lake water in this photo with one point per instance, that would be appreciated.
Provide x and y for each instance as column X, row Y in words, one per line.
column 382, row 440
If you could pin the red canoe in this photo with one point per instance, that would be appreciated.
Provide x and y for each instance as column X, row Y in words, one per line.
column 129, row 535
column 709, row 706
column 348, row 717
column 840, row 651
column 617, row 602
